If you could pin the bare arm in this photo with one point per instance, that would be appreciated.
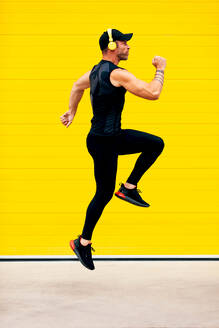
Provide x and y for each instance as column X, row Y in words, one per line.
column 136, row 86
column 76, row 94
column 77, row 91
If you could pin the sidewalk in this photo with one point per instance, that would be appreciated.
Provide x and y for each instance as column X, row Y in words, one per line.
column 116, row 294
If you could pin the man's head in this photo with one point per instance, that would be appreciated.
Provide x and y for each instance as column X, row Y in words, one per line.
column 122, row 48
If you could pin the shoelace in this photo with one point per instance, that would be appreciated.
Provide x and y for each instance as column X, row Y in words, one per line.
column 134, row 188
column 91, row 246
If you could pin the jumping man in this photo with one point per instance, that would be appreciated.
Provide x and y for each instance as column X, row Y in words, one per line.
column 106, row 139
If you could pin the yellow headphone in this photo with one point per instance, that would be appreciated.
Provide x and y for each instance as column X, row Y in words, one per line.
column 111, row 44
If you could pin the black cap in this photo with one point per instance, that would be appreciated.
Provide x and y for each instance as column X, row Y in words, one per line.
column 116, row 35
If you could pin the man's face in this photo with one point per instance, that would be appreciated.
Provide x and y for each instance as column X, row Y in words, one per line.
column 122, row 50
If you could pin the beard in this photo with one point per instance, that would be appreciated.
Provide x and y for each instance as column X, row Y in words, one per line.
column 122, row 56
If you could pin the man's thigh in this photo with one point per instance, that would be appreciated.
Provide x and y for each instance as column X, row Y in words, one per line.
column 133, row 141
column 105, row 160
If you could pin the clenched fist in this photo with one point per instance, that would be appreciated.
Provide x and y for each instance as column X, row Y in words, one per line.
column 159, row 62
column 67, row 118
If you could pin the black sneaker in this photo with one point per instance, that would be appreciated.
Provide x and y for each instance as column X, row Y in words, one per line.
column 131, row 195
column 83, row 252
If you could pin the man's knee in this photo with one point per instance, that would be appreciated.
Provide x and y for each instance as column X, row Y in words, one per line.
column 106, row 193
column 161, row 144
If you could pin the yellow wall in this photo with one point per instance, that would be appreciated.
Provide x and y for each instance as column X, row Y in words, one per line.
column 45, row 168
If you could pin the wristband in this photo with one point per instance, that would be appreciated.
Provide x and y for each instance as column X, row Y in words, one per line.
column 158, row 75
column 160, row 70
column 158, row 80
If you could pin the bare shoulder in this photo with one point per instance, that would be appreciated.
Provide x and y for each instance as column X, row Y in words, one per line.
column 120, row 76
column 140, row 88
column 83, row 82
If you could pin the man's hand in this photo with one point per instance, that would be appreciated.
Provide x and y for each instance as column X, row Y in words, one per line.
column 67, row 118
column 159, row 62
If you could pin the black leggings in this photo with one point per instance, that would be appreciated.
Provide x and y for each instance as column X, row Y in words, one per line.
column 104, row 151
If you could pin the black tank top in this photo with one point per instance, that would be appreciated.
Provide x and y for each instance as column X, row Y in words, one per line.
column 107, row 100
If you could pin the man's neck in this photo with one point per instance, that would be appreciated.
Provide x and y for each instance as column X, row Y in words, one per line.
column 115, row 61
